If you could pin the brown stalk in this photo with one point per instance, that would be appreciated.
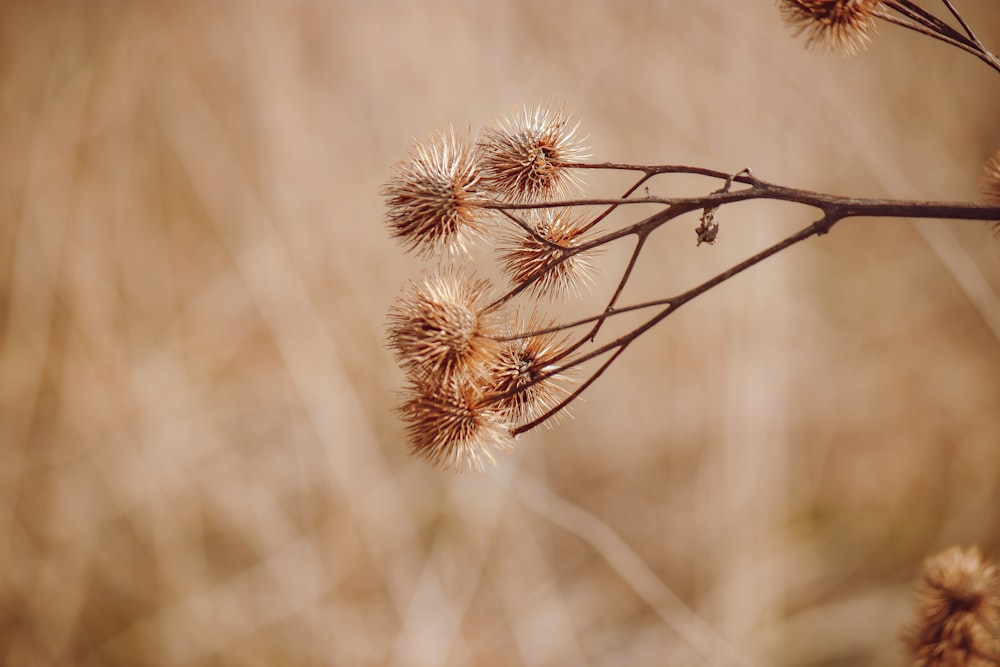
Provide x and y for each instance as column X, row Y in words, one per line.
column 833, row 207
column 535, row 156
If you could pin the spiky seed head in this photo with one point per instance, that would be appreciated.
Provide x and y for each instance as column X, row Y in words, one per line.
column 520, row 362
column 437, row 329
column 525, row 156
column 833, row 25
column 525, row 256
column 433, row 197
column 991, row 178
column 991, row 184
column 450, row 426
column 957, row 611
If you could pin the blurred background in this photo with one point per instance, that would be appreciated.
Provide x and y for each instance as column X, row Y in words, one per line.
column 199, row 460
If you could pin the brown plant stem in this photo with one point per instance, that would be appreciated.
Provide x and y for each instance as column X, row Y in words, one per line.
column 915, row 18
column 759, row 189
column 961, row 21
column 833, row 208
column 821, row 226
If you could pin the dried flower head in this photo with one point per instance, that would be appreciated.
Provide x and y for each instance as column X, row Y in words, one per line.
column 520, row 362
column 526, row 156
column 437, row 329
column 537, row 256
column 991, row 184
column 833, row 25
column 450, row 426
column 957, row 611
column 991, row 178
column 433, row 197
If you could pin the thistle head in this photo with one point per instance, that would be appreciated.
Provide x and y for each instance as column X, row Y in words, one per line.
column 957, row 611
column 434, row 199
column 990, row 181
column 547, row 255
column 832, row 25
column 991, row 178
column 452, row 427
column 438, row 330
column 526, row 156
column 523, row 372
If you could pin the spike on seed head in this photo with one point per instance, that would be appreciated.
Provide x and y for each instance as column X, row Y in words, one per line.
column 438, row 330
column 520, row 362
column 451, row 427
column 434, row 199
column 525, row 257
column 957, row 611
column 832, row 25
column 525, row 156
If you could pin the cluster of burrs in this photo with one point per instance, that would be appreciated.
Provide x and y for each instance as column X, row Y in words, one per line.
column 476, row 366
column 485, row 363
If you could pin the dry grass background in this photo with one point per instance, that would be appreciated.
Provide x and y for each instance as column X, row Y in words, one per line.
column 198, row 460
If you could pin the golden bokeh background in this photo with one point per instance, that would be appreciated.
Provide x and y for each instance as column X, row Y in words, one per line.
column 199, row 462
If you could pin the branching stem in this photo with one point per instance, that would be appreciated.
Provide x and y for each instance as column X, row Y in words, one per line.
column 833, row 208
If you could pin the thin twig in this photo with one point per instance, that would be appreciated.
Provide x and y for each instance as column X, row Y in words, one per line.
column 917, row 13
column 835, row 209
column 950, row 36
column 610, row 209
column 626, row 274
column 619, row 345
column 965, row 26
